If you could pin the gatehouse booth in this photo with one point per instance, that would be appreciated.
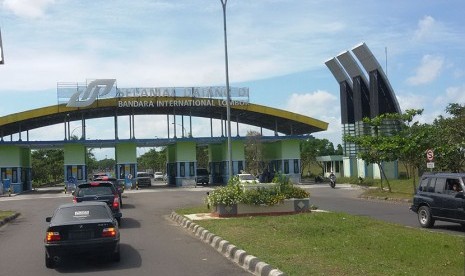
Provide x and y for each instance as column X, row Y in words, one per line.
column 15, row 169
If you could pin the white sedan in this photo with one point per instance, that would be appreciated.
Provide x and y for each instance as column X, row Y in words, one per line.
column 247, row 178
column 159, row 176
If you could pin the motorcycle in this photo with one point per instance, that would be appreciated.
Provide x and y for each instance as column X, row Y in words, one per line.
column 332, row 181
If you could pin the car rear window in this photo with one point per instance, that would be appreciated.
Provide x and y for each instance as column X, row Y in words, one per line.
column 94, row 190
column 78, row 213
column 143, row 175
column 202, row 171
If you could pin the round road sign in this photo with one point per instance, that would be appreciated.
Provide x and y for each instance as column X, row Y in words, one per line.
column 429, row 155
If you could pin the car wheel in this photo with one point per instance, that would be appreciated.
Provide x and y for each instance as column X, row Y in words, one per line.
column 116, row 256
column 49, row 262
column 424, row 217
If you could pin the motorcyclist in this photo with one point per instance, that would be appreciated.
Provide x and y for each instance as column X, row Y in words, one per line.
column 332, row 179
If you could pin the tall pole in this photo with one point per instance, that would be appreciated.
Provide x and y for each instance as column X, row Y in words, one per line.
column 228, row 98
column 2, row 61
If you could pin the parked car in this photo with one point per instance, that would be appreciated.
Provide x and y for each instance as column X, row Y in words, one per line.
column 440, row 196
column 97, row 175
column 158, row 176
column 119, row 186
column 87, row 228
column 203, row 177
column 143, row 179
column 103, row 191
column 247, row 178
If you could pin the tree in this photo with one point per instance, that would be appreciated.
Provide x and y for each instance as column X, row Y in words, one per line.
column 202, row 156
column 153, row 159
column 91, row 161
column 311, row 148
column 47, row 165
column 413, row 139
column 380, row 144
column 253, row 148
column 449, row 139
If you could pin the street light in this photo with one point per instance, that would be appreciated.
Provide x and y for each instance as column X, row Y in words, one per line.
column 2, row 60
column 228, row 98
column 72, row 132
column 183, row 129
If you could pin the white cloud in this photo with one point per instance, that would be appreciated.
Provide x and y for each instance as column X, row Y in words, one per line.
column 323, row 106
column 426, row 26
column 28, row 8
column 455, row 94
column 314, row 104
column 429, row 69
column 411, row 101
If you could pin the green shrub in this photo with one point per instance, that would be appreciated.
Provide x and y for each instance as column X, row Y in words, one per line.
column 233, row 193
column 228, row 195
column 262, row 196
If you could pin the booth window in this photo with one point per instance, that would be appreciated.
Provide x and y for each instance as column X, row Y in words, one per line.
column 3, row 174
column 182, row 169
column 191, row 169
column 79, row 173
column 14, row 177
column 296, row 166
column 286, row 166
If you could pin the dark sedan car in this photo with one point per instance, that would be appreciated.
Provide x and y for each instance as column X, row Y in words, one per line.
column 118, row 186
column 87, row 228
column 103, row 191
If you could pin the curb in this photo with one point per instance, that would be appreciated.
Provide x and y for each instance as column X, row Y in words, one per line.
column 8, row 219
column 240, row 257
column 399, row 200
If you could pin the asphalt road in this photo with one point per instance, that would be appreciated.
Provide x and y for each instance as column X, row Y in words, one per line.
column 346, row 199
column 151, row 244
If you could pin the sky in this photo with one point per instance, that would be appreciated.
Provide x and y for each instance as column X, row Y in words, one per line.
column 276, row 48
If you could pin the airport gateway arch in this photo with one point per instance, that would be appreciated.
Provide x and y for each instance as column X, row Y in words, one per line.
column 78, row 102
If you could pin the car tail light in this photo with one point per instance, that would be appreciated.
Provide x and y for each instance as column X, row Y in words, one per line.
column 115, row 204
column 53, row 236
column 109, row 232
column 94, row 184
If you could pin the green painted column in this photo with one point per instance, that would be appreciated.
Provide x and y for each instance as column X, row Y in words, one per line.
column 75, row 170
column 216, row 163
column 238, row 158
column 126, row 161
column 15, row 165
column 182, row 163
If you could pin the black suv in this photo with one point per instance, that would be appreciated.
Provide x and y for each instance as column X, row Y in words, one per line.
column 103, row 191
column 202, row 177
column 440, row 196
column 143, row 179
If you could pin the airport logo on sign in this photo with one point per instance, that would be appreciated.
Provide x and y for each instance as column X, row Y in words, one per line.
column 95, row 89
column 83, row 96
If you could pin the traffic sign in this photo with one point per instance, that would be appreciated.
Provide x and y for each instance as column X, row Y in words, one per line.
column 430, row 155
column 430, row 165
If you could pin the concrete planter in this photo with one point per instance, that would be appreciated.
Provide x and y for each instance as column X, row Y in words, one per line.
column 288, row 206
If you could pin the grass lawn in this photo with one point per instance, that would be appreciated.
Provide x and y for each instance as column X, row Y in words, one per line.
column 400, row 188
column 340, row 244
column 5, row 214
